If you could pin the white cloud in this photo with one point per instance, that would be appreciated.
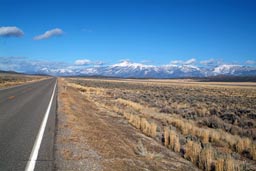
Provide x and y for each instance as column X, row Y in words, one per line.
column 98, row 63
column 250, row 62
column 11, row 31
column 176, row 62
column 49, row 33
column 210, row 62
column 181, row 62
column 82, row 62
column 190, row 61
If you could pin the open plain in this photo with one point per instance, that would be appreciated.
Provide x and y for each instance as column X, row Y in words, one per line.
column 129, row 124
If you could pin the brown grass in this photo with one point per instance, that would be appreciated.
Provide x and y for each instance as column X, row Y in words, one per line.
column 193, row 150
column 206, row 158
column 134, row 105
column 229, row 164
column 185, row 110
column 138, row 122
column 166, row 136
column 7, row 80
column 243, row 144
column 219, row 165
column 253, row 151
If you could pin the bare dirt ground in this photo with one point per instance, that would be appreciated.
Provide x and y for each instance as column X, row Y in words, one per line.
column 91, row 137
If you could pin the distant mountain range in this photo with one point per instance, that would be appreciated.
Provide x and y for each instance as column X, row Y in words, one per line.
column 128, row 69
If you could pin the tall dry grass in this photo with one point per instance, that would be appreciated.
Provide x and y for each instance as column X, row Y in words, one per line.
column 193, row 150
column 172, row 140
column 206, row 158
column 253, row 151
column 219, row 164
column 138, row 122
column 132, row 104
column 242, row 144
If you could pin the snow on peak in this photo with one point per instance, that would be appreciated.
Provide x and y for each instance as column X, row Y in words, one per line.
column 225, row 69
column 131, row 64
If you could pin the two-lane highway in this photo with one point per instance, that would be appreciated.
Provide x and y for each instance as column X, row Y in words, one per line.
column 27, row 125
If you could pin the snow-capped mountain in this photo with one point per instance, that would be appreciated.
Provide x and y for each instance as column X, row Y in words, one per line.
column 128, row 69
column 237, row 70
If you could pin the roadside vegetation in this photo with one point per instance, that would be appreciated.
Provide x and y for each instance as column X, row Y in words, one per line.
column 7, row 80
column 213, row 126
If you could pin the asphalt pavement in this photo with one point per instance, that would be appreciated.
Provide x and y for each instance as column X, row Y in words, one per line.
column 22, row 110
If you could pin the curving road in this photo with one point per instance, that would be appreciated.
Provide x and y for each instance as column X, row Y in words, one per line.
column 22, row 111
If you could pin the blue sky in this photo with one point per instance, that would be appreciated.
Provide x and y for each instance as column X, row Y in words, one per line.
column 153, row 32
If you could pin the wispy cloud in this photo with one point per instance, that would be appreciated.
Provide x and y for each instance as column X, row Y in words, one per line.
column 82, row 62
column 49, row 33
column 181, row 62
column 98, row 63
column 211, row 62
column 250, row 62
column 190, row 61
column 11, row 31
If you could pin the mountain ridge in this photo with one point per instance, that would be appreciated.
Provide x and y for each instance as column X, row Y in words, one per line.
column 128, row 69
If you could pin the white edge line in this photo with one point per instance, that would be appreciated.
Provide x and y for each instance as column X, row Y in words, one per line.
column 34, row 153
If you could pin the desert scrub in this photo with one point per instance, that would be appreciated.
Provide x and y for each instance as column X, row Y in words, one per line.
column 200, row 116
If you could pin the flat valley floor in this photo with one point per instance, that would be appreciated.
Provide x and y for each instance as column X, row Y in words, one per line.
column 105, row 124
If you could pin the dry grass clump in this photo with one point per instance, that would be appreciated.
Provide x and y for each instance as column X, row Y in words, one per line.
column 219, row 164
column 243, row 144
column 135, row 121
column 193, row 150
column 206, row 158
column 204, row 135
column 207, row 135
column 166, row 136
column 87, row 90
column 227, row 164
column 138, row 122
column 176, row 147
column 230, row 164
column 187, row 127
column 214, row 135
column 202, row 111
column 153, row 129
column 253, row 151
column 134, row 105
column 171, row 140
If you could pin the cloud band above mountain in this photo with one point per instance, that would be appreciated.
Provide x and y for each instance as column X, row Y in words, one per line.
column 123, row 69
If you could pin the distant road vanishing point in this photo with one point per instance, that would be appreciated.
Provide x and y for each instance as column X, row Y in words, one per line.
column 27, row 124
